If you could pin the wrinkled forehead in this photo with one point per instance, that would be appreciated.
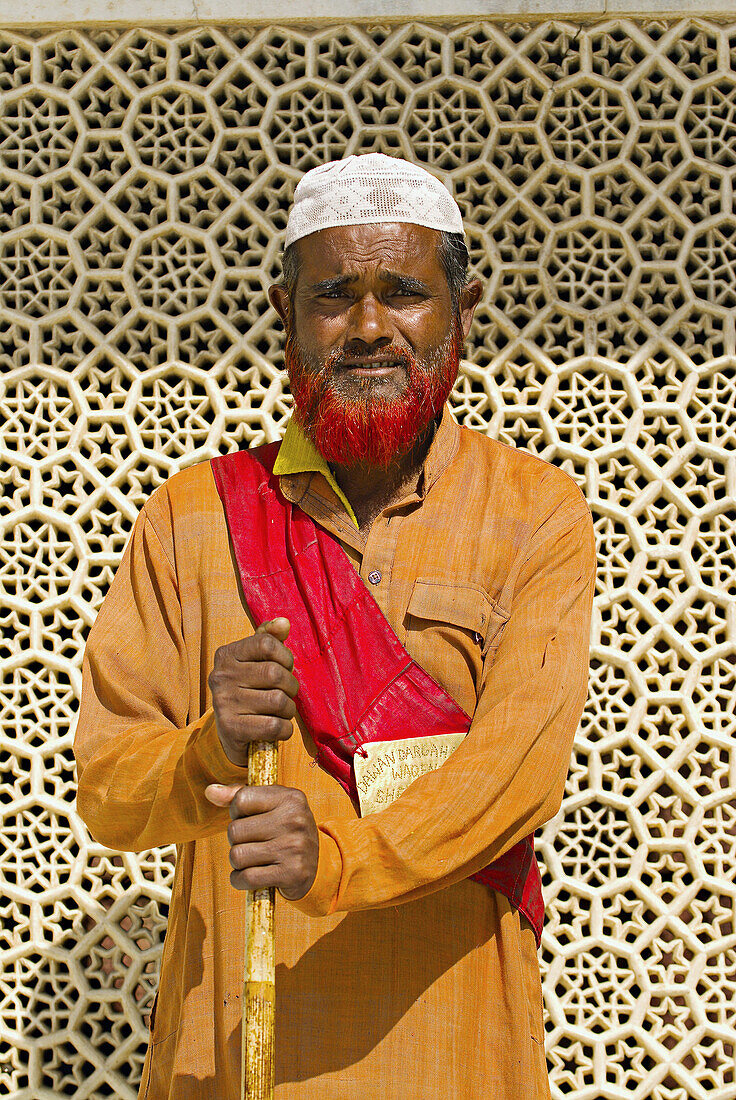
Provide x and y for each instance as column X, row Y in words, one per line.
column 369, row 250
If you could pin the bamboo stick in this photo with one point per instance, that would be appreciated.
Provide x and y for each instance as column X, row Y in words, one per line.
column 259, row 985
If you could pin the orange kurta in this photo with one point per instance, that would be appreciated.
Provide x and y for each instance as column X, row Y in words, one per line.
column 396, row 976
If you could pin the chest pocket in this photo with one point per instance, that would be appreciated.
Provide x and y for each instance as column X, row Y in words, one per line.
column 466, row 606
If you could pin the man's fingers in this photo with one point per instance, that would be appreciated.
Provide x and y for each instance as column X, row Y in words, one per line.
column 257, row 829
column 251, row 703
column 261, row 646
column 257, row 854
column 256, row 675
column 273, row 837
column 220, row 795
column 256, row 800
column 278, row 628
column 243, row 729
column 253, row 690
column 270, row 648
column 257, row 878
column 267, row 675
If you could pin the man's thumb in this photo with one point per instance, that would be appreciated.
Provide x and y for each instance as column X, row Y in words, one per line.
column 279, row 627
column 220, row 795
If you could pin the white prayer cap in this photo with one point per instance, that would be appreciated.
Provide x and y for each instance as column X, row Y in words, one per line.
column 360, row 190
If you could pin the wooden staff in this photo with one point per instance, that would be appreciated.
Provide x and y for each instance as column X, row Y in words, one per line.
column 259, row 985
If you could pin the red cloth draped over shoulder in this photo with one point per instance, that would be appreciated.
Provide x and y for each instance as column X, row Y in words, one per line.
column 357, row 682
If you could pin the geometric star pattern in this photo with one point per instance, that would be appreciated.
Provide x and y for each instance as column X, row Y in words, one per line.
column 145, row 177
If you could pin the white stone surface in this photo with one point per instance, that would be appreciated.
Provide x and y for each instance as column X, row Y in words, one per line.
column 86, row 12
column 144, row 182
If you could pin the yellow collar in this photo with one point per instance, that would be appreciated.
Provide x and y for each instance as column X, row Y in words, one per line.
column 298, row 455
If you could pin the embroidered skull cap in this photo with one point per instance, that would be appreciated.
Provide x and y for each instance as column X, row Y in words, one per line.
column 371, row 188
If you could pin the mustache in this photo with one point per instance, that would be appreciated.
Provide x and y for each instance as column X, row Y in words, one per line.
column 338, row 360
column 363, row 427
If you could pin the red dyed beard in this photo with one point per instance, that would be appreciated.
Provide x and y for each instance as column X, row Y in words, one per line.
column 376, row 431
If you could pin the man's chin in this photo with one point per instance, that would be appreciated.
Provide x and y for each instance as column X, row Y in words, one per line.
column 370, row 427
column 380, row 436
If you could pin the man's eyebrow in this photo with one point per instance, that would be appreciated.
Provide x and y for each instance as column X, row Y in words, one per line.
column 336, row 283
column 401, row 282
column 406, row 282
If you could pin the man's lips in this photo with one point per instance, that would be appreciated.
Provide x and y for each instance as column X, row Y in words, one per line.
column 374, row 368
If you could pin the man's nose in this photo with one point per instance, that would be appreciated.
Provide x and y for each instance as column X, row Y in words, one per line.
column 368, row 323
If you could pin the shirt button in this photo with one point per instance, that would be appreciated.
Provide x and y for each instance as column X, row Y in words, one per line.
column 374, row 576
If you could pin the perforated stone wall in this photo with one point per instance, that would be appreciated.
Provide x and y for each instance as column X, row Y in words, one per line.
column 144, row 182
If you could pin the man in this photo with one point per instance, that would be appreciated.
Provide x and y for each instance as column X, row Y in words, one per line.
column 398, row 974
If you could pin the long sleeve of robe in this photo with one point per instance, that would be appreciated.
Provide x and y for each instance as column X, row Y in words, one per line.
column 394, row 962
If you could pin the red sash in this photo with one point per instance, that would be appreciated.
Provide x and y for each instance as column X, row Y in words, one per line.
column 357, row 683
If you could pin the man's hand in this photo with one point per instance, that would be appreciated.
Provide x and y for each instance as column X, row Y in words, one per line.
column 253, row 690
column 273, row 837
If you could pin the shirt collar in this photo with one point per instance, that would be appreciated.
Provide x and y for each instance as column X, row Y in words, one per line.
column 299, row 460
column 441, row 452
column 298, row 455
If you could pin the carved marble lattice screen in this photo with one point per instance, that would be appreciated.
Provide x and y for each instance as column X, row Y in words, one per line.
column 144, row 179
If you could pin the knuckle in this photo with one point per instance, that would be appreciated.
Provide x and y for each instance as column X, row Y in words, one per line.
column 266, row 646
column 299, row 800
column 296, row 845
column 274, row 701
column 225, row 724
column 258, row 728
column 240, row 801
column 294, row 817
column 226, row 727
column 241, row 880
column 263, row 727
column 272, row 673
column 285, row 729
column 222, row 654
column 274, row 726
column 249, row 727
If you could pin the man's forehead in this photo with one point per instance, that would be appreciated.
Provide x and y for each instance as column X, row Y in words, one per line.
column 397, row 247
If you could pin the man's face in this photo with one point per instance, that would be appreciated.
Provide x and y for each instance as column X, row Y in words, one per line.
column 373, row 343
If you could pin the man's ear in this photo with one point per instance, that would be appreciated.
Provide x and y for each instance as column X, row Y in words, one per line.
column 278, row 296
column 469, row 298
